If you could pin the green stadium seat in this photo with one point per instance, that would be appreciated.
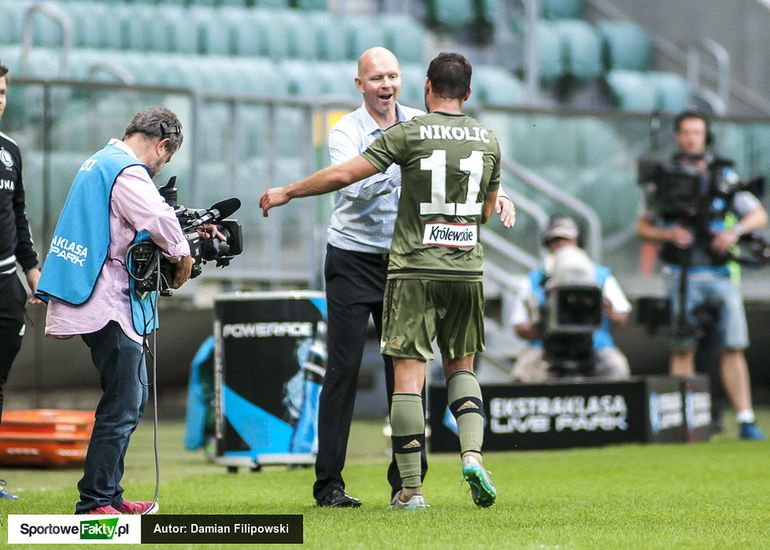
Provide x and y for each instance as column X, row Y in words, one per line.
column 276, row 4
column 134, row 23
column 215, row 36
column 180, row 28
column 45, row 31
column 451, row 15
column 537, row 141
column 161, row 29
column 214, row 133
column 13, row 17
column 213, row 179
column 313, row 4
column 253, row 132
column 364, row 33
column 625, row 45
column 631, row 91
column 43, row 63
column 273, row 30
column 330, row 36
column 405, row 37
column 337, row 80
column 413, row 85
column 258, row 76
column 495, row 87
column 247, row 34
column 300, row 77
column 549, row 51
column 758, row 146
column 63, row 168
column 597, row 143
column 562, row 9
column 487, row 11
column 251, row 176
column 673, row 93
column 290, row 131
column 296, row 26
column 580, row 48
column 87, row 20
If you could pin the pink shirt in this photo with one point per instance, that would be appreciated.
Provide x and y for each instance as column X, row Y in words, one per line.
column 135, row 205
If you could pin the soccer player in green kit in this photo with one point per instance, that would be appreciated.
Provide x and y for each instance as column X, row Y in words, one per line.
column 450, row 166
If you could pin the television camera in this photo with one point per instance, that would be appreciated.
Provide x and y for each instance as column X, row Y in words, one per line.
column 572, row 311
column 145, row 262
column 682, row 194
column 685, row 195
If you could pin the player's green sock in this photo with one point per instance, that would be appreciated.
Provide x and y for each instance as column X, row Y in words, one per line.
column 407, row 421
column 464, row 397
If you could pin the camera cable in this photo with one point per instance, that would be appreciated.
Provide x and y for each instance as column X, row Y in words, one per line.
column 153, row 355
column 155, row 386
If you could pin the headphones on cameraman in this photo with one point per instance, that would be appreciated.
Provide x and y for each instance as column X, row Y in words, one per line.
column 700, row 115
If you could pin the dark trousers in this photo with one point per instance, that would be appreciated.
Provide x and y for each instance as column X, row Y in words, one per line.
column 12, row 300
column 355, row 286
column 123, row 378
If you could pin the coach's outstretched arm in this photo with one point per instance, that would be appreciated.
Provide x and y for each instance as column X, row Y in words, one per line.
column 324, row 181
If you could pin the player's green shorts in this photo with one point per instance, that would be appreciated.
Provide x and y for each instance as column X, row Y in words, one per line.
column 416, row 311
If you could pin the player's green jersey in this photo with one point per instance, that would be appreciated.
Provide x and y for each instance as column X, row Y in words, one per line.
column 448, row 164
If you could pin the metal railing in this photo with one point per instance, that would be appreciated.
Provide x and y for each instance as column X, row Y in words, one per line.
column 542, row 185
column 65, row 22
column 718, row 99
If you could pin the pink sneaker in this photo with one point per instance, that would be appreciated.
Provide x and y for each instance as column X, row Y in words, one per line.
column 104, row 510
column 128, row 507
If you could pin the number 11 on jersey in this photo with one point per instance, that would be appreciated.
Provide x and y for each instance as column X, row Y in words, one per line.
column 436, row 165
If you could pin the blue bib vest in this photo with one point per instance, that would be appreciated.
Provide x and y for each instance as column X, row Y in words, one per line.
column 82, row 238
column 602, row 336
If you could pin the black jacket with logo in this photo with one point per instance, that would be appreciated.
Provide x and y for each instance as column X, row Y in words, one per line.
column 15, row 234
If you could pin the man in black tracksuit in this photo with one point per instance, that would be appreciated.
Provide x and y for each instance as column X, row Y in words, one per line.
column 16, row 246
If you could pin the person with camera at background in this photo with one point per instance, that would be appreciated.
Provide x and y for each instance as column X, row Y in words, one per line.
column 16, row 246
column 532, row 365
column 86, row 284
column 699, row 241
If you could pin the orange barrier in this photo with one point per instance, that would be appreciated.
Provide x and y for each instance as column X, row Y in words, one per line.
column 48, row 438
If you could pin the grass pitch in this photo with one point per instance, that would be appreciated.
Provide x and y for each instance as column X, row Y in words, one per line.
column 710, row 495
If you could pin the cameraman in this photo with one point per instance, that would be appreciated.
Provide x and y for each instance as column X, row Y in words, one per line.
column 530, row 366
column 84, row 278
column 704, row 244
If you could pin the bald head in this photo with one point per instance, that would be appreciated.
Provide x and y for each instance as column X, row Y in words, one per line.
column 379, row 81
column 376, row 56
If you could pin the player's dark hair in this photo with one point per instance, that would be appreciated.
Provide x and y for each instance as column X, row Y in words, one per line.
column 450, row 75
column 157, row 122
column 4, row 71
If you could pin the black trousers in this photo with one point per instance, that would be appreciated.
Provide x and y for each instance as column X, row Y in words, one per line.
column 12, row 300
column 355, row 286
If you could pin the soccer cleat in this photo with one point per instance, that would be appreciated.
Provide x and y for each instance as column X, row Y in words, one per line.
column 5, row 495
column 482, row 489
column 338, row 498
column 415, row 502
column 143, row 508
column 103, row 511
column 750, row 431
